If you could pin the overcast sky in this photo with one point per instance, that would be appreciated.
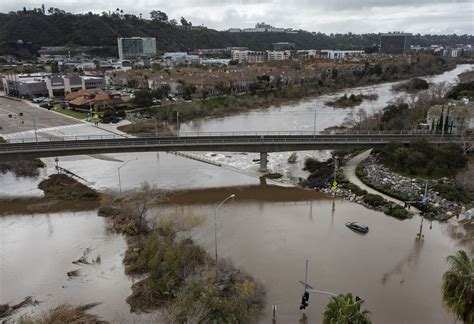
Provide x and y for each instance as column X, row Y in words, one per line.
column 356, row 16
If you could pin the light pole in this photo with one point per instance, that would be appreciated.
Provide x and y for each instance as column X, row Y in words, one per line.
column 215, row 223
column 177, row 122
column 118, row 170
column 314, row 124
column 34, row 126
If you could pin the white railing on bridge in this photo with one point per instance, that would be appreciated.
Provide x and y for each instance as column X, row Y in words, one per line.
column 224, row 134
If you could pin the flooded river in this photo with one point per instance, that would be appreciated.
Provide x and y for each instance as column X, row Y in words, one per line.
column 267, row 231
column 398, row 276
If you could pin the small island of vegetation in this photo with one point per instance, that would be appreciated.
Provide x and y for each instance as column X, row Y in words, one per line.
column 412, row 86
column 353, row 100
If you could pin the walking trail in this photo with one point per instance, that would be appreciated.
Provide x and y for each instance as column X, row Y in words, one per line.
column 350, row 173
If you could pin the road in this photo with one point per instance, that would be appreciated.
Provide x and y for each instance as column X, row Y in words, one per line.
column 42, row 118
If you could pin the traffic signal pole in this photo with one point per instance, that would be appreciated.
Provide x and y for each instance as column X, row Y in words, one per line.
column 308, row 289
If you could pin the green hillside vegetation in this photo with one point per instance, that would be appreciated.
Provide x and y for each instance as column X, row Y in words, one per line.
column 424, row 159
column 55, row 27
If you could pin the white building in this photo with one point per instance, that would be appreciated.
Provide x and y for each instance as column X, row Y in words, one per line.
column 339, row 55
column 42, row 84
column 239, row 55
column 136, row 47
column 307, row 54
column 249, row 56
column 279, row 55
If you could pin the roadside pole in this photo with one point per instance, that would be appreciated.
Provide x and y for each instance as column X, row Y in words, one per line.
column 314, row 123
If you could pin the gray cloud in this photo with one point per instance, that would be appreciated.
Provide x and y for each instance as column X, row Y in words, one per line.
column 361, row 16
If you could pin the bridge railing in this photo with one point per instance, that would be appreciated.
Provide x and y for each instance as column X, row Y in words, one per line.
column 188, row 143
column 221, row 134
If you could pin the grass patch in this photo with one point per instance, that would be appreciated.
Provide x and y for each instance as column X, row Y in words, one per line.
column 64, row 314
column 60, row 186
column 69, row 112
column 275, row 175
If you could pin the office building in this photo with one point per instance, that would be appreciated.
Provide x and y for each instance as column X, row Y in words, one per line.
column 282, row 46
column 136, row 47
column 395, row 43
column 47, row 85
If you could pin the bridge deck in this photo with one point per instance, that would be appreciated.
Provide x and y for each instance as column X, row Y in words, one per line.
column 226, row 142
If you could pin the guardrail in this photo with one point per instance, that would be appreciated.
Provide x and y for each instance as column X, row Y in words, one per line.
column 224, row 134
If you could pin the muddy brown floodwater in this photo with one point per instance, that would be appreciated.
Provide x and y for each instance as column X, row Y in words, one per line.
column 398, row 276
column 37, row 252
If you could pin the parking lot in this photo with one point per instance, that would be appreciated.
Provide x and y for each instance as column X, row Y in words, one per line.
column 18, row 116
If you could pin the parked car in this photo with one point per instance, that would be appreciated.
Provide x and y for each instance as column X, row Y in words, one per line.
column 359, row 227
column 39, row 99
column 111, row 119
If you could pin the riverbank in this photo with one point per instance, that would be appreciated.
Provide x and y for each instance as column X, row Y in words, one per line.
column 227, row 105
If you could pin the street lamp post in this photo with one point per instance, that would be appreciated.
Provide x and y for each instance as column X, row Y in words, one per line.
column 177, row 122
column 314, row 124
column 118, row 170
column 34, row 126
column 215, row 223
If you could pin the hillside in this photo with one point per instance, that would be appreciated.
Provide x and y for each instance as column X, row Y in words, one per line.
column 57, row 27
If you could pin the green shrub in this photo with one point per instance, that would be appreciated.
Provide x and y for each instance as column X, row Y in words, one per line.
column 397, row 211
column 374, row 200
column 38, row 163
column 355, row 189
column 452, row 193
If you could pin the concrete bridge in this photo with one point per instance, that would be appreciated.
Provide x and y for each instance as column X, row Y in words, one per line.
column 260, row 142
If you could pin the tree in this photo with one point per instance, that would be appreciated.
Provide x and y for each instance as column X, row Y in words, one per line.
column 458, row 286
column 184, row 22
column 343, row 309
column 143, row 98
column 160, row 16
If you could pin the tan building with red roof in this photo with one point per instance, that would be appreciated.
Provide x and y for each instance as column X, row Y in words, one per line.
column 95, row 99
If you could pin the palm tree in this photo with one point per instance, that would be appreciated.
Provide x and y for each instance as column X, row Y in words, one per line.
column 458, row 286
column 343, row 309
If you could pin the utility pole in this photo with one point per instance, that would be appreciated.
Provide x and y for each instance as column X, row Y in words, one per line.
column 442, row 122
column 177, row 122
column 425, row 202
column 314, row 124
column 34, row 126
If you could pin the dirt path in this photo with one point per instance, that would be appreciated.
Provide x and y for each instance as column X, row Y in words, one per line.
column 350, row 173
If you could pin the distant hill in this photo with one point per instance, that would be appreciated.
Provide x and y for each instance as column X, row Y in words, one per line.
column 58, row 28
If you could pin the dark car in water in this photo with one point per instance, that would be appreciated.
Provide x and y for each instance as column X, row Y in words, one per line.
column 362, row 228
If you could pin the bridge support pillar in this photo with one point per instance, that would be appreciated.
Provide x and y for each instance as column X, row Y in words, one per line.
column 263, row 161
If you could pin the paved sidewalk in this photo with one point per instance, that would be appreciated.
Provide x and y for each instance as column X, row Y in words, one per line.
column 350, row 173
